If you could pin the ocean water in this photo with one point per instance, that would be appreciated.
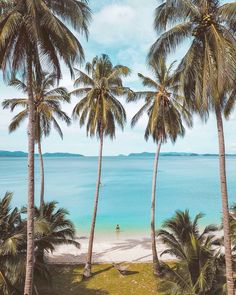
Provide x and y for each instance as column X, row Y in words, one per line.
column 183, row 183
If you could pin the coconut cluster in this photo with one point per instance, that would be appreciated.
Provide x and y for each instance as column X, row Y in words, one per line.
column 203, row 24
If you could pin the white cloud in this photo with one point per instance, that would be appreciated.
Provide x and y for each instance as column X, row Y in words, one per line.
column 124, row 29
column 123, row 24
column 112, row 23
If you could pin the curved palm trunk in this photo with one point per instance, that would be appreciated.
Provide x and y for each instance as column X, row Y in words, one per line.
column 225, row 207
column 28, row 288
column 156, row 264
column 87, row 269
column 42, row 177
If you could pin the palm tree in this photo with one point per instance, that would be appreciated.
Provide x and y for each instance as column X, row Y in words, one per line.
column 13, row 249
column 207, row 71
column 47, row 101
column 33, row 36
column 60, row 229
column 100, row 110
column 165, row 111
column 12, row 240
column 199, row 265
column 233, row 225
column 52, row 228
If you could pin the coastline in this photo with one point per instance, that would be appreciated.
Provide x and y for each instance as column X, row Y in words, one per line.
column 110, row 248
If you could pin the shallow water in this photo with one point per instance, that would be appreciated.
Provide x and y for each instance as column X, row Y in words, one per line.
column 183, row 182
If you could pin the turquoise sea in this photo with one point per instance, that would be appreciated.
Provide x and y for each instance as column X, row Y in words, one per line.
column 183, row 182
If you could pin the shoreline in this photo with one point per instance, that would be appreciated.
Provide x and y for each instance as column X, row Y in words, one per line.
column 110, row 249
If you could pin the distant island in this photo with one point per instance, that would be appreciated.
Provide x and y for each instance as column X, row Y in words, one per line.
column 20, row 154
column 173, row 154
column 146, row 154
column 62, row 155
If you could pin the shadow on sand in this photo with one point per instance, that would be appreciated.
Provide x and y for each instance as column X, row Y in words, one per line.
column 128, row 244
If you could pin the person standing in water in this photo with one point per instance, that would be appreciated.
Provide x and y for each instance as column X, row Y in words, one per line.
column 117, row 231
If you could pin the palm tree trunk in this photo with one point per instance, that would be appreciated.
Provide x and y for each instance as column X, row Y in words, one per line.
column 156, row 264
column 87, row 269
column 42, row 177
column 28, row 288
column 225, row 207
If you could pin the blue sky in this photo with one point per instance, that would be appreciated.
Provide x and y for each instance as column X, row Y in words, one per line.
column 123, row 30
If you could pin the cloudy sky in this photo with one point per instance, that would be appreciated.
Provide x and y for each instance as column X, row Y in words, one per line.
column 123, row 30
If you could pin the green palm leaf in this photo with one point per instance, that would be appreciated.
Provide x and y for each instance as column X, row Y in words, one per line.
column 163, row 105
column 47, row 103
column 99, row 109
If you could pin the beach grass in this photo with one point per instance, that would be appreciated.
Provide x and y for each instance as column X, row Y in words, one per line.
column 105, row 280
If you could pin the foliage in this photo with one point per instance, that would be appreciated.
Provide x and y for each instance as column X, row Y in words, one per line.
column 163, row 104
column 51, row 229
column 35, row 30
column 233, row 225
column 200, row 266
column 102, row 83
column 47, row 100
column 59, row 230
column 207, row 72
column 12, row 247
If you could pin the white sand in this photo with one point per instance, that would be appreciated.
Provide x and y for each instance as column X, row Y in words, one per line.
column 107, row 249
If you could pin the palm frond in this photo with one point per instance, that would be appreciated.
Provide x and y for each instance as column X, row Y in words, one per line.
column 47, row 105
column 148, row 81
column 18, row 120
column 230, row 104
column 169, row 41
column 99, row 108
column 162, row 104
column 227, row 14
column 14, row 102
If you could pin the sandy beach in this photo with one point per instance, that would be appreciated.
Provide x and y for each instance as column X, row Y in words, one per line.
column 107, row 249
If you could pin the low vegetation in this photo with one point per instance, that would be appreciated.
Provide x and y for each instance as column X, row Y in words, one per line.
column 105, row 280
